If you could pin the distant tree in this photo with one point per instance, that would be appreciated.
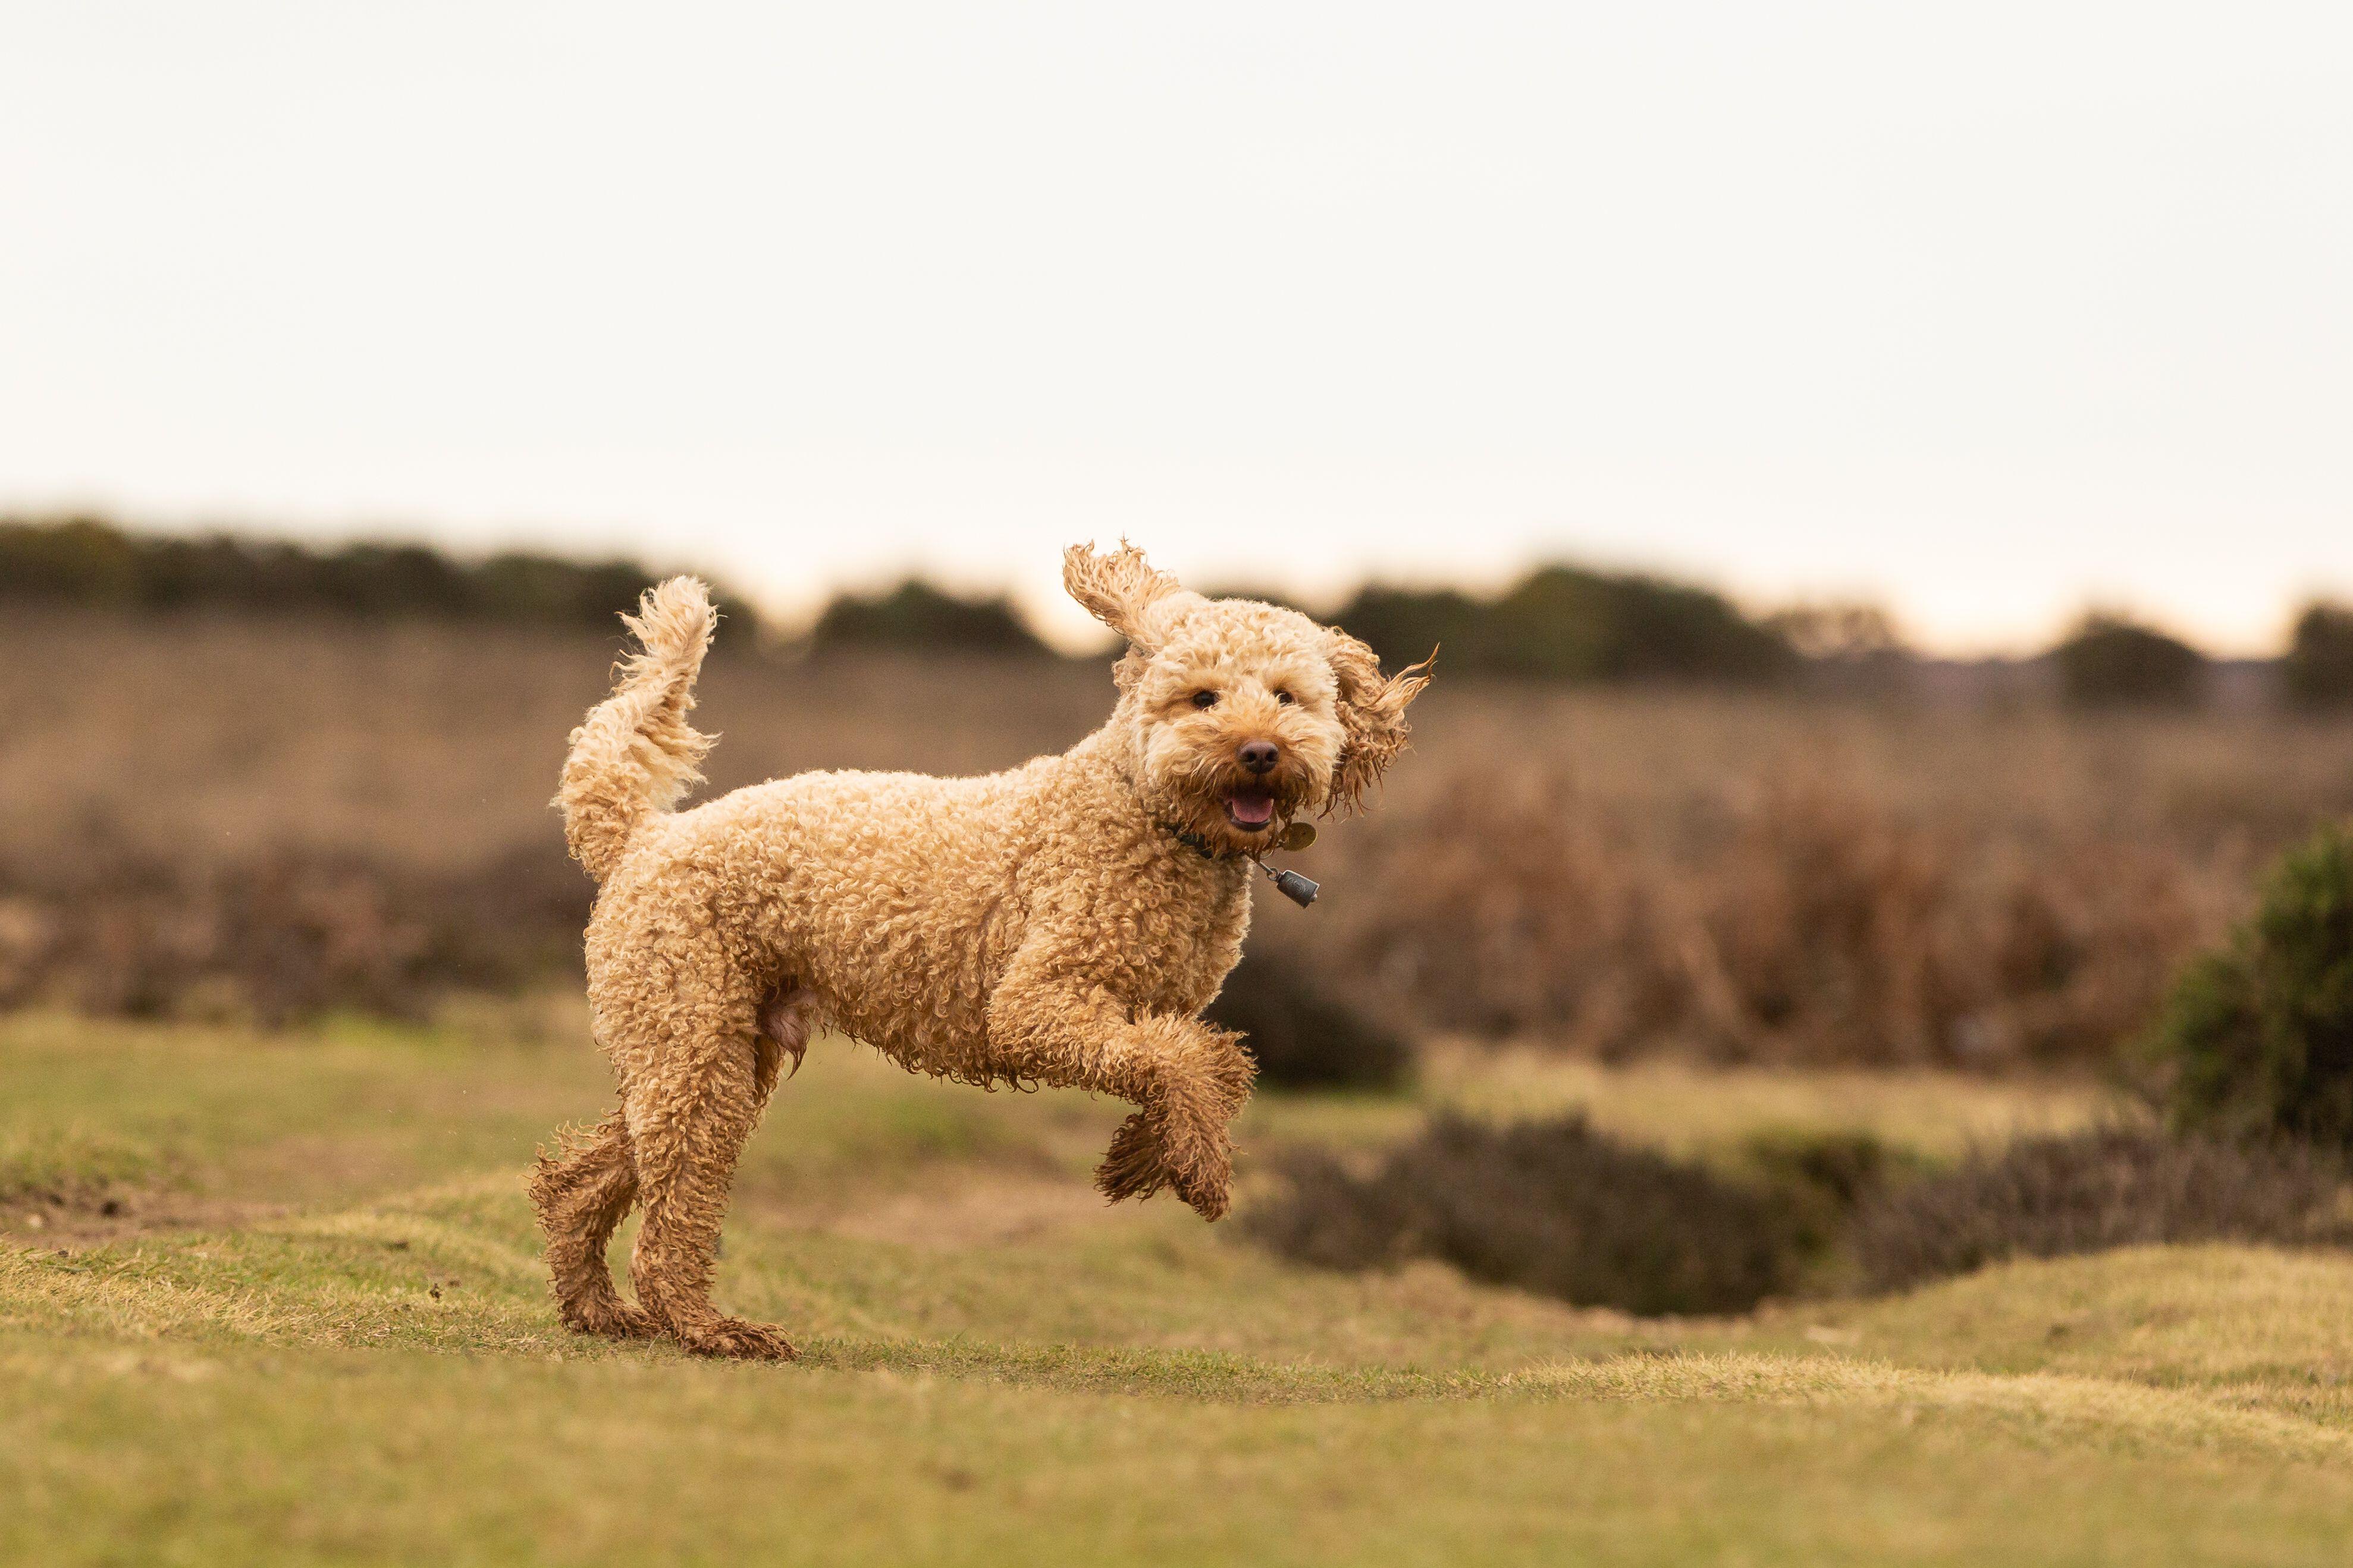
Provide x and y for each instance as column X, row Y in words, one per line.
column 1565, row 623
column 2317, row 672
column 1650, row 628
column 2110, row 661
column 546, row 589
column 372, row 580
column 91, row 563
column 77, row 559
column 917, row 616
column 1402, row 624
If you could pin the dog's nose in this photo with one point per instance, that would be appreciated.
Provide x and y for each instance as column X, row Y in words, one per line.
column 1260, row 756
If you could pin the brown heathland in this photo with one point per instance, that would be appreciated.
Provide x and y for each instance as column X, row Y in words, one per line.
column 1743, row 876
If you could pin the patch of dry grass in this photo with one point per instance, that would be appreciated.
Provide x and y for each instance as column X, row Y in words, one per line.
column 2045, row 1404
column 1691, row 1109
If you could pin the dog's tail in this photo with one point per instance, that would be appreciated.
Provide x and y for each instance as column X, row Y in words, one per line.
column 635, row 754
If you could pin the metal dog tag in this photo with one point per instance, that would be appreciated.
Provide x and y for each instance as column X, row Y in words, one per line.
column 1298, row 835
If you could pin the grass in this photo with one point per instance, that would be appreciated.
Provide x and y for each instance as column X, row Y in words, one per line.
column 315, row 1332
column 1696, row 1111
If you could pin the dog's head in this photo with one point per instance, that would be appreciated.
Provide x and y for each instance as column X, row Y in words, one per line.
column 1240, row 716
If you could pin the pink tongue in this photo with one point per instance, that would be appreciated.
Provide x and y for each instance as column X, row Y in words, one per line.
column 1253, row 810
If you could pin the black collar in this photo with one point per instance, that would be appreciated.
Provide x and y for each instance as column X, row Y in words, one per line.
column 1197, row 844
column 1290, row 884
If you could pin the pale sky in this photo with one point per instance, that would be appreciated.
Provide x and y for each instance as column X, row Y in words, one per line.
column 1984, row 310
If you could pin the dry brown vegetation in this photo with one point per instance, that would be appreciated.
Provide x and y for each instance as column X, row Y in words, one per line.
column 213, row 815
column 2095, row 1191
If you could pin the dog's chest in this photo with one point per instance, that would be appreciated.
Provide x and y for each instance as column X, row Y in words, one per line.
column 1176, row 948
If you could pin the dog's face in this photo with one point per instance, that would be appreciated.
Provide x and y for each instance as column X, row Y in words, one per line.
column 1242, row 716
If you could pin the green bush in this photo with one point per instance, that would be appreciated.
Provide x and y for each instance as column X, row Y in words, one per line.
column 2108, row 661
column 2258, row 1037
column 2317, row 672
column 1303, row 1037
column 1551, row 1206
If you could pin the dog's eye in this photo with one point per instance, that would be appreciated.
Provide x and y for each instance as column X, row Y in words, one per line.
column 1204, row 699
column 1284, row 699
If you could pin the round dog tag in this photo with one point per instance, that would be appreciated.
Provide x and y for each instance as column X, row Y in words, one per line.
column 1298, row 835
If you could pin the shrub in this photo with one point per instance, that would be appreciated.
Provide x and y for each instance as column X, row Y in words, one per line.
column 2317, row 672
column 286, row 935
column 1392, row 621
column 1804, row 924
column 1550, row 1206
column 1302, row 1037
column 2087, row 1192
column 2258, row 1036
column 1820, row 1179
column 2109, row 661
column 918, row 616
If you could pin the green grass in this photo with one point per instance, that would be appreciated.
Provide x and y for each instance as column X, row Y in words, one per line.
column 316, row 1332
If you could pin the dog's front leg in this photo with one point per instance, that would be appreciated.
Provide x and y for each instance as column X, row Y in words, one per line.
column 1189, row 1079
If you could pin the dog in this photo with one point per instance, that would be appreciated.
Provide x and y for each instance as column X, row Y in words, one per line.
column 1062, row 923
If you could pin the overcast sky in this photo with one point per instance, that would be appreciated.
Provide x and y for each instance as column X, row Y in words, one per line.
column 1985, row 310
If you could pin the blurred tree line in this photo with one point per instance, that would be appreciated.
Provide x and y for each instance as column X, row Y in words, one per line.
column 2112, row 660
column 89, row 562
column 1565, row 623
column 1559, row 623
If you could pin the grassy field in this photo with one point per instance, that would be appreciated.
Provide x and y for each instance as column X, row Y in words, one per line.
column 277, row 1300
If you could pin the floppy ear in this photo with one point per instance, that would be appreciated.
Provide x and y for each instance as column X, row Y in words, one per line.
column 1372, row 718
column 1118, row 589
column 1124, row 592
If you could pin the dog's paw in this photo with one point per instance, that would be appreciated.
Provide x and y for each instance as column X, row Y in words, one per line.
column 738, row 1339
column 1205, row 1192
column 1169, row 1144
column 1196, row 1152
column 1132, row 1168
column 612, row 1320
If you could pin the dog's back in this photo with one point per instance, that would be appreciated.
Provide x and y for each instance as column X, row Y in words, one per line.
column 896, row 899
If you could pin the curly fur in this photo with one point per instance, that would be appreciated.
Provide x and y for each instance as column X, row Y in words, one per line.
column 635, row 754
column 1047, row 925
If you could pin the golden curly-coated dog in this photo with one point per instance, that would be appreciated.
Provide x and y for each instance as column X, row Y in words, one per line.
column 1060, row 923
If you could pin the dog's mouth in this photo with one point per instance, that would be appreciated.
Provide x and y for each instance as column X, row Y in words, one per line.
column 1251, row 808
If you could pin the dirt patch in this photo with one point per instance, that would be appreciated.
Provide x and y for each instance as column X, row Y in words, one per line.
column 98, row 1218
column 954, row 1213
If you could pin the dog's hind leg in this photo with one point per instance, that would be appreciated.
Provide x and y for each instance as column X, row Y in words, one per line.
column 688, row 1117
column 583, row 1188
